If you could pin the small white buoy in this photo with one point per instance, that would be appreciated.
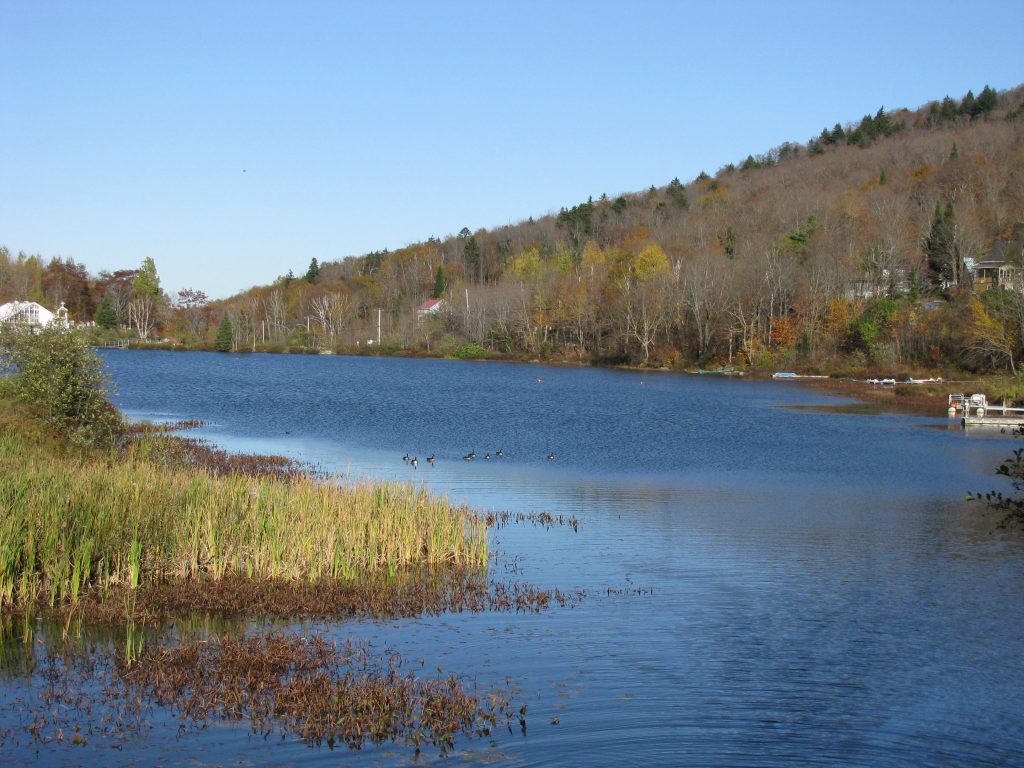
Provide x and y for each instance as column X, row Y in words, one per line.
column 980, row 412
column 952, row 412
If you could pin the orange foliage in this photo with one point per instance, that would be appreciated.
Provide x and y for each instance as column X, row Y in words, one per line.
column 784, row 332
column 838, row 319
column 630, row 239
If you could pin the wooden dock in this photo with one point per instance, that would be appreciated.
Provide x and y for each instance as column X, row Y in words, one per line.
column 976, row 411
column 113, row 345
column 1014, row 422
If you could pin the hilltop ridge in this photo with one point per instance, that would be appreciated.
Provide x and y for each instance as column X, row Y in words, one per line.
column 856, row 248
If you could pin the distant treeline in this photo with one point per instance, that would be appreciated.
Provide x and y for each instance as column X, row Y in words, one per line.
column 858, row 248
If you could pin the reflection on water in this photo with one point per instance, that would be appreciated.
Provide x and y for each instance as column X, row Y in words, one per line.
column 765, row 585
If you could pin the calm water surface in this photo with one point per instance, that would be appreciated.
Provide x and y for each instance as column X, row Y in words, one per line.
column 766, row 586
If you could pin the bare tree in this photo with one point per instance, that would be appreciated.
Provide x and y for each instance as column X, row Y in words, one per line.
column 142, row 315
column 705, row 296
column 194, row 305
column 334, row 312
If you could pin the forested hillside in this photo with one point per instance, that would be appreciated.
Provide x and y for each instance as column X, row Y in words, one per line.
column 856, row 249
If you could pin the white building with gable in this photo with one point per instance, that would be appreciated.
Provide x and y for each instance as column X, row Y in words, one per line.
column 31, row 314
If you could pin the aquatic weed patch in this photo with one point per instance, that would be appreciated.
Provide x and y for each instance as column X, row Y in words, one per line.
column 326, row 693
column 199, row 454
column 160, row 427
column 323, row 692
column 68, row 695
column 405, row 595
column 543, row 519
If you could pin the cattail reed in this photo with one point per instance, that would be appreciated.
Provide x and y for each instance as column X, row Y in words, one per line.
column 72, row 523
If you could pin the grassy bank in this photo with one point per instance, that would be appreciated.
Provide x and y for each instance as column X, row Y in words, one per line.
column 96, row 521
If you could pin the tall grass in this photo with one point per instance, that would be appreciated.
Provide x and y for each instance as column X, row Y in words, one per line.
column 72, row 523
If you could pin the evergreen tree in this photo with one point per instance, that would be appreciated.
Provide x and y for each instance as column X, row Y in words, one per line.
column 987, row 101
column 949, row 110
column 577, row 221
column 954, row 153
column 225, row 334
column 940, row 246
column 969, row 105
column 883, row 123
column 914, row 284
column 105, row 317
column 882, row 178
column 677, row 192
column 440, row 282
column 313, row 272
column 372, row 262
column 728, row 242
column 471, row 253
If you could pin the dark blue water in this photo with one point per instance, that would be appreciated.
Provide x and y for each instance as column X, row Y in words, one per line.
column 766, row 586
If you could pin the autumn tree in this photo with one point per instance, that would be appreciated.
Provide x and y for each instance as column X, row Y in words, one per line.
column 66, row 282
column 21, row 277
column 647, row 302
column 193, row 304
column 990, row 343
column 116, row 287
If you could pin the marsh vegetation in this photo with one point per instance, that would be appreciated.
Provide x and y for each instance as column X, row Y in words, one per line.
column 132, row 526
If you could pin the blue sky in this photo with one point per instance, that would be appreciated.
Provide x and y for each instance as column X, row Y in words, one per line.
column 233, row 141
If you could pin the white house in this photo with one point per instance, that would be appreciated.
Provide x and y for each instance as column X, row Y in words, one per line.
column 429, row 307
column 26, row 313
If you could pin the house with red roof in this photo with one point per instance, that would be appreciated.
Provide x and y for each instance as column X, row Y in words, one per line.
column 429, row 307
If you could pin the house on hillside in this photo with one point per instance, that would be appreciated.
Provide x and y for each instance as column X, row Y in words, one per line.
column 27, row 313
column 429, row 307
column 1003, row 266
column 884, row 282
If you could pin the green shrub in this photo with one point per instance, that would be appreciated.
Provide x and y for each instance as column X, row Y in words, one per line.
column 469, row 352
column 62, row 383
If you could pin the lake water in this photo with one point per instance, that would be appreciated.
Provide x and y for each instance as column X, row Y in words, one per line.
column 765, row 585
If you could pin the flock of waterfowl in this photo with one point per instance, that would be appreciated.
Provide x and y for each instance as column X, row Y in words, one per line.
column 413, row 461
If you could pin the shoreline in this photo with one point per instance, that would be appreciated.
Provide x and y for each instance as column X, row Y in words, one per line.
column 927, row 399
